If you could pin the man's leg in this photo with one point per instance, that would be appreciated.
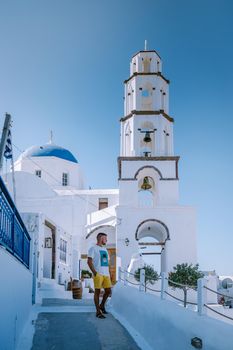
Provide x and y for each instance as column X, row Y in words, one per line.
column 98, row 280
column 99, row 312
column 107, row 293
column 97, row 300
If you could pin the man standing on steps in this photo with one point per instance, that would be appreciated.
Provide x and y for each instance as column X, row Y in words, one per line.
column 98, row 262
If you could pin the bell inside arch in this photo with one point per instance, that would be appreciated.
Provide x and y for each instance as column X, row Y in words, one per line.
column 147, row 137
column 146, row 184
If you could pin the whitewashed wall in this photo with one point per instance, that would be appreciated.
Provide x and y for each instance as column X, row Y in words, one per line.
column 180, row 221
column 167, row 168
column 136, row 62
column 167, row 193
column 52, row 169
column 68, row 209
column 165, row 325
column 15, row 299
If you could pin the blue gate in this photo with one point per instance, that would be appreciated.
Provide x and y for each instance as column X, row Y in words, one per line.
column 13, row 233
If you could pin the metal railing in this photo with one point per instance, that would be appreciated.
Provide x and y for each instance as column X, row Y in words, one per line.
column 211, row 308
column 13, row 233
column 201, row 289
column 174, row 284
column 124, row 276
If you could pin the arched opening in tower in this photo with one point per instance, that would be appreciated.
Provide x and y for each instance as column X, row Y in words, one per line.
column 152, row 235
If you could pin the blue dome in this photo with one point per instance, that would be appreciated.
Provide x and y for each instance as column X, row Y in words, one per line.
column 49, row 150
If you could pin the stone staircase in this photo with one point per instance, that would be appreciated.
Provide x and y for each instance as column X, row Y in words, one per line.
column 49, row 288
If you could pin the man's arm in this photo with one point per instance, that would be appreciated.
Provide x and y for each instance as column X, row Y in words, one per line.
column 110, row 274
column 90, row 264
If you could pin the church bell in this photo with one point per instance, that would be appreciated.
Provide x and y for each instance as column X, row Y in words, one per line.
column 147, row 137
column 146, row 185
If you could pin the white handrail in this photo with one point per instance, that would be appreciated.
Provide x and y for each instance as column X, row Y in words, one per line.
column 202, row 288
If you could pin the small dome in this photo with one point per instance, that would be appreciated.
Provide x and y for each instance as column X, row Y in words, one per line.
column 49, row 150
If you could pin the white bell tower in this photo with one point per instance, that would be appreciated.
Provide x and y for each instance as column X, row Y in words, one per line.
column 148, row 170
column 146, row 109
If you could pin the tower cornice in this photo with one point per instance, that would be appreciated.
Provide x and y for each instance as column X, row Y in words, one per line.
column 144, row 51
column 134, row 112
column 159, row 74
column 150, row 161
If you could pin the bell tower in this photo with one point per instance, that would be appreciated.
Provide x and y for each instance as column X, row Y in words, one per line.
column 148, row 168
column 146, row 127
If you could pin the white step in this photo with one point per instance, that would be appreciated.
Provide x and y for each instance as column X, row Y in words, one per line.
column 59, row 287
column 55, row 294
column 49, row 288
column 48, row 284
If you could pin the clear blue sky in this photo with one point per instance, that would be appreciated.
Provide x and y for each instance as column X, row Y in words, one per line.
column 62, row 67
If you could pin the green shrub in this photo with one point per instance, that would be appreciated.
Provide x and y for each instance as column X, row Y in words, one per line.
column 151, row 275
column 186, row 275
column 86, row 274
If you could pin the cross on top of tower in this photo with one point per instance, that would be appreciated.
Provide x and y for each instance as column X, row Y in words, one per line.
column 51, row 137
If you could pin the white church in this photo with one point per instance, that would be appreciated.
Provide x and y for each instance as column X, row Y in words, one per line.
column 143, row 214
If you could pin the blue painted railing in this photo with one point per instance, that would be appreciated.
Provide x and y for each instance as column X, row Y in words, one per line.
column 13, row 233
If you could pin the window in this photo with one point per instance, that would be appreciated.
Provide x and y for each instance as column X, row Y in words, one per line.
column 103, row 203
column 146, row 65
column 166, row 143
column 147, row 97
column 65, row 179
column 63, row 250
column 38, row 173
column 127, row 149
column 145, row 93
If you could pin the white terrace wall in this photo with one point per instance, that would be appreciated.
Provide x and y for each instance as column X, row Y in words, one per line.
column 166, row 325
column 15, row 299
column 36, row 226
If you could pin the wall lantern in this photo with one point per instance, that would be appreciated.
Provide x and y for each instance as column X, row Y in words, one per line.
column 196, row 343
column 48, row 242
column 127, row 241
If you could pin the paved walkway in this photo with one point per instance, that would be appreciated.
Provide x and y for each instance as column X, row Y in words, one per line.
column 77, row 328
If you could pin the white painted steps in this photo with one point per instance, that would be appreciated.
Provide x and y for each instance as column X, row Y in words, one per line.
column 48, row 284
column 49, row 288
